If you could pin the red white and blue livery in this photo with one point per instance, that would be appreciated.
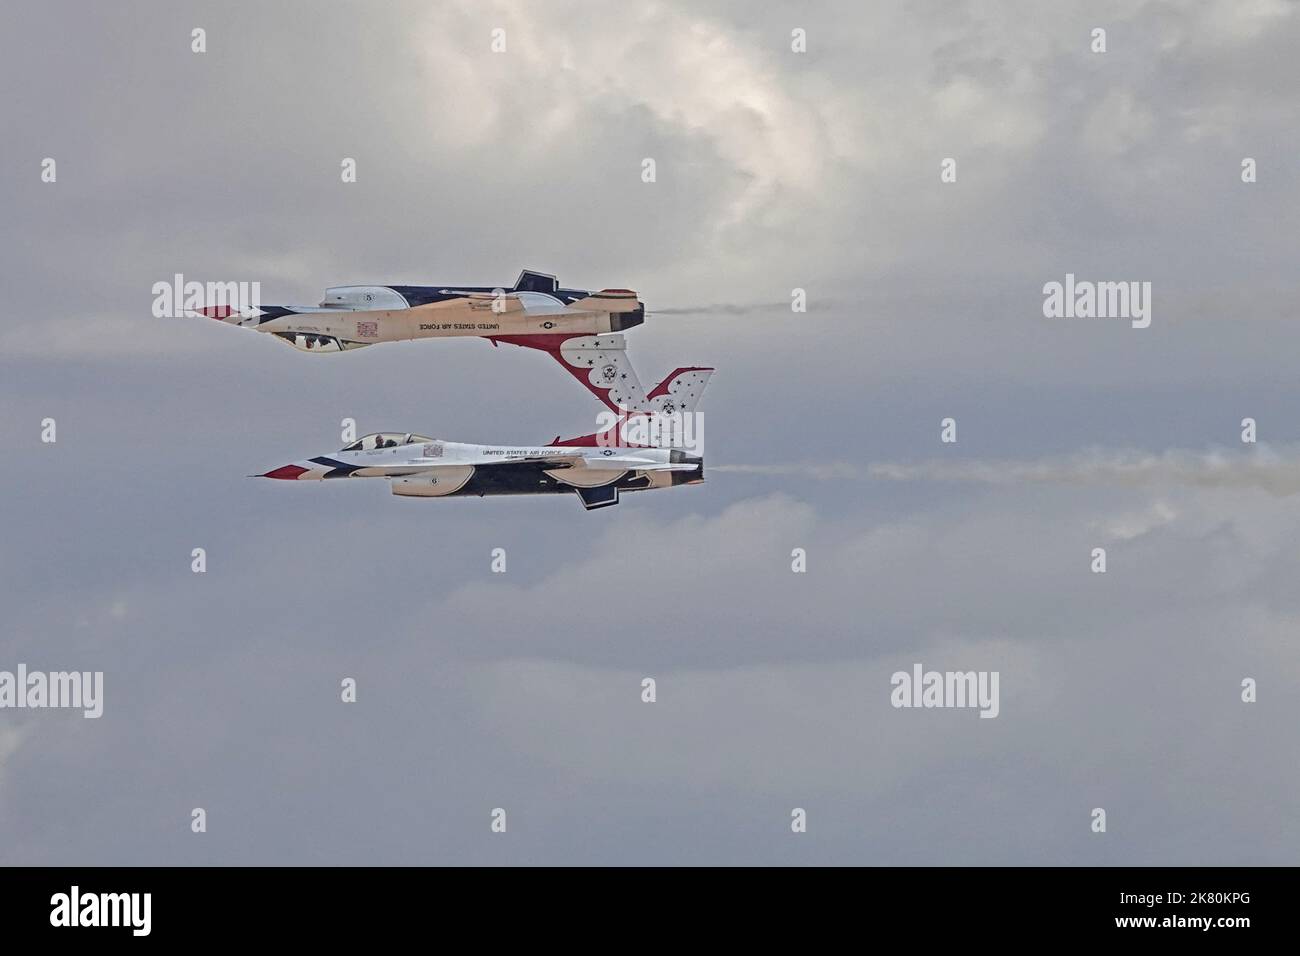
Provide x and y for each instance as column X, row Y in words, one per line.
column 579, row 329
column 589, row 468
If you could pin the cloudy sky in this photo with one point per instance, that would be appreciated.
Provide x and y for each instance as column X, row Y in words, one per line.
column 776, row 170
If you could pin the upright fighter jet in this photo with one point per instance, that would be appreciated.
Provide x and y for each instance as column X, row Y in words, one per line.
column 578, row 328
column 421, row 467
column 636, row 451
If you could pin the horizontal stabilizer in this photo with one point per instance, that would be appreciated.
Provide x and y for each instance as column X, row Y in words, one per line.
column 600, row 363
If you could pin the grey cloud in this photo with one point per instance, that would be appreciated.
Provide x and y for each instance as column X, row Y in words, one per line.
column 775, row 171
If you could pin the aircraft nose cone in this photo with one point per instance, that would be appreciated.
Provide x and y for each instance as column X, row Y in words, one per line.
column 286, row 472
column 216, row 311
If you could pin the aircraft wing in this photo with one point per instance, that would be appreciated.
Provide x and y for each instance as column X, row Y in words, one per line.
column 632, row 463
column 624, row 459
column 538, row 463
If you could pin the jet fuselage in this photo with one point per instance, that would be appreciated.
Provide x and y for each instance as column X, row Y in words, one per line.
column 428, row 468
column 350, row 317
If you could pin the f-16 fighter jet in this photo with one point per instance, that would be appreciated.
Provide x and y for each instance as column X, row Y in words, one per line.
column 579, row 329
column 421, row 467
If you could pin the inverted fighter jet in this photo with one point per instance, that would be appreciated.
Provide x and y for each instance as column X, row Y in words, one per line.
column 421, row 467
column 579, row 329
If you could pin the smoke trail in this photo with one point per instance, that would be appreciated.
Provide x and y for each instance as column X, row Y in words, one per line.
column 751, row 308
column 1276, row 472
column 824, row 471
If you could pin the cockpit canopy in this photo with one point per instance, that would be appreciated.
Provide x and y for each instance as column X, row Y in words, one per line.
column 386, row 440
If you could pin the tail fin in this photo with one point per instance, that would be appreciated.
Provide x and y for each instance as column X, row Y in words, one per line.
column 601, row 364
column 682, row 391
column 665, row 418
